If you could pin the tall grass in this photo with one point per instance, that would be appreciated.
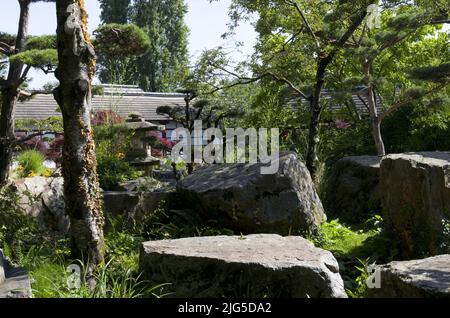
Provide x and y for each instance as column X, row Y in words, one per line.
column 31, row 163
column 51, row 280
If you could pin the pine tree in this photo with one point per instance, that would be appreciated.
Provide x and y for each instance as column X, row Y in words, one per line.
column 113, row 69
column 401, row 23
column 22, row 53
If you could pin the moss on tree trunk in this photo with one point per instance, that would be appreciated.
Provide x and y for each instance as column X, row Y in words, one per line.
column 81, row 187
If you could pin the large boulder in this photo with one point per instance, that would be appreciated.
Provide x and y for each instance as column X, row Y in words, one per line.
column 43, row 198
column 136, row 204
column 14, row 281
column 416, row 200
column 245, row 200
column 353, row 191
column 428, row 277
column 242, row 266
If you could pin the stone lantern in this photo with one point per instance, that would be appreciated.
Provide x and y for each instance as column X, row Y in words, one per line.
column 140, row 152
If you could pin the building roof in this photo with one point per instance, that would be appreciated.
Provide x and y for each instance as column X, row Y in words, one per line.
column 359, row 99
column 123, row 99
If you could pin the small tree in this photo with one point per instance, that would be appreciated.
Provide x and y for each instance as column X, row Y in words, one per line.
column 400, row 24
column 119, row 45
column 22, row 53
column 211, row 115
column 298, row 43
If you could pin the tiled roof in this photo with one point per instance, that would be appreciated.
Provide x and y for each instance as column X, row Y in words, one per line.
column 330, row 99
column 119, row 98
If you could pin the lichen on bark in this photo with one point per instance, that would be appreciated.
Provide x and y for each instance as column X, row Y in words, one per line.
column 81, row 186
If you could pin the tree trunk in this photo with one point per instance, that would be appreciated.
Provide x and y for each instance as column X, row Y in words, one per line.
column 10, row 93
column 374, row 117
column 9, row 98
column 325, row 59
column 81, row 187
column 312, row 158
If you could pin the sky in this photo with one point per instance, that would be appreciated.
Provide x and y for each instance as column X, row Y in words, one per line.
column 206, row 22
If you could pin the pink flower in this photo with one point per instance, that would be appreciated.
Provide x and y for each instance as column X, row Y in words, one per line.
column 340, row 124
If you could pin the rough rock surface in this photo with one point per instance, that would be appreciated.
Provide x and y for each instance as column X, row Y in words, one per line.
column 245, row 200
column 2, row 268
column 353, row 190
column 135, row 204
column 429, row 277
column 247, row 266
column 416, row 199
column 43, row 198
column 14, row 282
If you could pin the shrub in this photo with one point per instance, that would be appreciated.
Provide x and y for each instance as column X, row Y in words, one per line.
column 112, row 142
column 113, row 169
column 106, row 117
column 31, row 163
column 18, row 231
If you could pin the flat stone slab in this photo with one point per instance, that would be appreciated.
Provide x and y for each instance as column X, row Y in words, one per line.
column 14, row 281
column 249, row 266
column 429, row 277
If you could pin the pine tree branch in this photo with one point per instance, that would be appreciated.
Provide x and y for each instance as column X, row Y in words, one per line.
column 440, row 22
column 5, row 48
column 356, row 22
column 34, row 92
column 400, row 104
column 295, row 4
column 243, row 80
column 29, row 137
column 23, row 77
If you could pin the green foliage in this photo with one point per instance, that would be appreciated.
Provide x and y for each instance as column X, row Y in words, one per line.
column 51, row 282
column 355, row 248
column 31, row 163
column 164, row 66
column 18, row 232
column 163, row 223
column 36, row 58
column 115, row 11
column 418, row 128
column 339, row 143
column 112, row 143
column 47, row 258
column 117, row 40
column 360, row 289
column 339, row 239
column 42, row 42
column 113, row 170
column 7, row 38
column 54, row 124
column 438, row 74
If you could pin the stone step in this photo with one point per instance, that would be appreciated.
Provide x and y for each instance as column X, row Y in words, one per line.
column 233, row 266
column 429, row 278
column 14, row 281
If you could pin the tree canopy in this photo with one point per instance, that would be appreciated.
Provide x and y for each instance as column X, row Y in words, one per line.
column 164, row 65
